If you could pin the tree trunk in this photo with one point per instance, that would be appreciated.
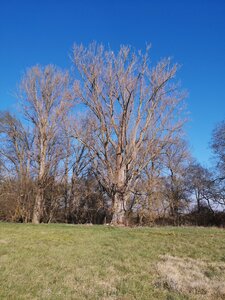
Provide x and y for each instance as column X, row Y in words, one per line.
column 198, row 204
column 119, row 199
column 71, row 199
column 38, row 205
column 119, row 210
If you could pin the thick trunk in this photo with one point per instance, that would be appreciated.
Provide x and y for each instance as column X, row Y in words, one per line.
column 120, row 215
column 38, row 207
column 120, row 211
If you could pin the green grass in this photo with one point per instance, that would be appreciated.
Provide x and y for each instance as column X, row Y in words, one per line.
column 96, row 262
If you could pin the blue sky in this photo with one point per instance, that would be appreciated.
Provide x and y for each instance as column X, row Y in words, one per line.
column 192, row 32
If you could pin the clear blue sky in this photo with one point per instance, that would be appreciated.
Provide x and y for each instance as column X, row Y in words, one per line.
column 191, row 31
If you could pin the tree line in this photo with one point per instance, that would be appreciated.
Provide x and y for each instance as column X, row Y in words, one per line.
column 105, row 143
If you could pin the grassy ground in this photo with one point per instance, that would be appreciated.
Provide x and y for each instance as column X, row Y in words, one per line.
column 97, row 262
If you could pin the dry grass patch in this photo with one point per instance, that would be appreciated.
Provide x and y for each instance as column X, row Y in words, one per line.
column 3, row 242
column 192, row 277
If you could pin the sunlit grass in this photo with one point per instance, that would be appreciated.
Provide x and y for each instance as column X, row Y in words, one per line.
column 97, row 262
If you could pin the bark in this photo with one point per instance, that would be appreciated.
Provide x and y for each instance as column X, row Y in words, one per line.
column 119, row 201
column 120, row 213
column 38, row 206
column 39, row 199
column 71, row 199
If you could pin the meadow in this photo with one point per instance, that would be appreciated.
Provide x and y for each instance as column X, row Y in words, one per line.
column 59, row 261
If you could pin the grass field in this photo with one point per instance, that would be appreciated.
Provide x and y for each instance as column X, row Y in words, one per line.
column 103, row 262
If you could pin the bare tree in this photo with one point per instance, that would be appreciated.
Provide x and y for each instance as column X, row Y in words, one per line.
column 134, row 111
column 176, row 160
column 201, row 185
column 15, row 146
column 218, row 147
column 46, row 99
column 150, row 204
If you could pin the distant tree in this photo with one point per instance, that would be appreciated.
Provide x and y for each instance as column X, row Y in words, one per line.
column 176, row 160
column 218, row 147
column 134, row 113
column 15, row 145
column 201, row 185
column 15, row 149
